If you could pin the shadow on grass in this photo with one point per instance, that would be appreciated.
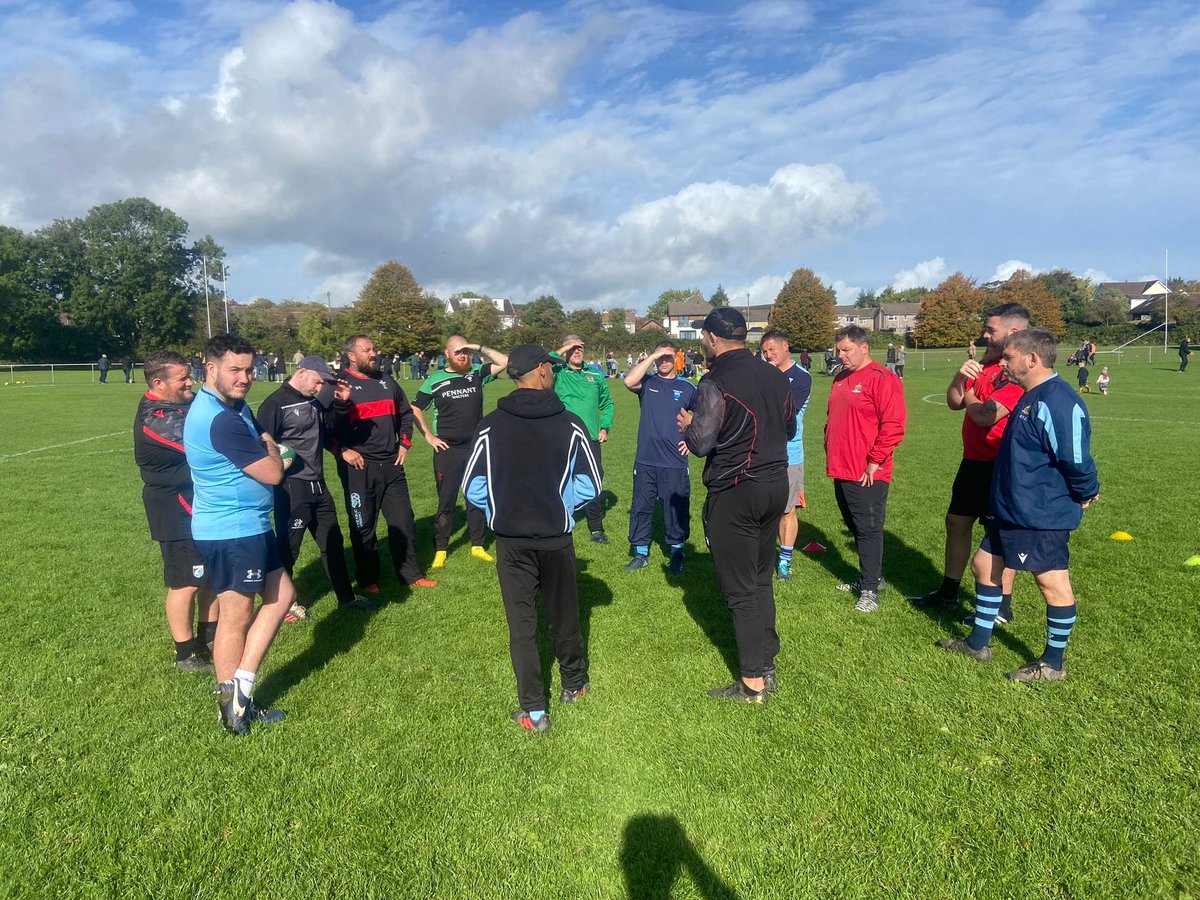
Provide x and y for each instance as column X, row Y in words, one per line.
column 703, row 601
column 332, row 636
column 592, row 593
column 655, row 850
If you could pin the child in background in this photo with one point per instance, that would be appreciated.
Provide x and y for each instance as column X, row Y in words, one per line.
column 1102, row 381
column 1084, row 387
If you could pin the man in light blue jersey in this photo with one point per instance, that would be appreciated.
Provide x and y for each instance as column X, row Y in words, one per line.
column 234, row 467
column 777, row 352
column 1043, row 481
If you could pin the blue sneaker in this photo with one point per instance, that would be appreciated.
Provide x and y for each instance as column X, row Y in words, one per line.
column 783, row 571
column 234, row 708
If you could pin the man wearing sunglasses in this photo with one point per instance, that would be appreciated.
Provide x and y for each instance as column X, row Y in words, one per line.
column 455, row 395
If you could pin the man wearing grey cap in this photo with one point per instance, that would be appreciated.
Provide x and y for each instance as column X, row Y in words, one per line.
column 295, row 416
column 531, row 467
column 744, row 417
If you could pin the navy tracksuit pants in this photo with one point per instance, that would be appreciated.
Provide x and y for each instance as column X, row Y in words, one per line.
column 674, row 488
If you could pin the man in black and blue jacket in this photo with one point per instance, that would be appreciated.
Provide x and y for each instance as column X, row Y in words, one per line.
column 1044, row 478
column 531, row 466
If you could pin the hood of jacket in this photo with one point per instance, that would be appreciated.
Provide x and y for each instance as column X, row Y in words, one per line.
column 530, row 404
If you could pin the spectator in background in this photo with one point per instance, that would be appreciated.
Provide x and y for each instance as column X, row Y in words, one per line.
column 805, row 360
column 1084, row 387
column 197, row 367
column 1102, row 381
column 891, row 358
column 900, row 360
column 971, row 350
column 127, row 368
column 103, row 365
column 260, row 365
column 1185, row 350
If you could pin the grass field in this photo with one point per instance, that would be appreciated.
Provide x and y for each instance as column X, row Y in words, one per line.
column 883, row 767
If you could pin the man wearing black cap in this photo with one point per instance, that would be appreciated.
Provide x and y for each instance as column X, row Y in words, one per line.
column 743, row 419
column 296, row 416
column 531, row 467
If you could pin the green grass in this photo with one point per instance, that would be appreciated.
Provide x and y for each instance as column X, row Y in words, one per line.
column 883, row 767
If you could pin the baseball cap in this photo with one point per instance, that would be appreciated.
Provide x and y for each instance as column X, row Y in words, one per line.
column 525, row 359
column 318, row 365
column 723, row 322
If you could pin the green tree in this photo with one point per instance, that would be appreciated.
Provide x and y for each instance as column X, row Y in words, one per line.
column 589, row 325
column 392, row 308
column 803, row 311
column 1045, row 309
column 1073, row 293
column 658, row 309
column 481, row 323
column 719, row 297
column 1109, row 307
column 951, row 314
column 866, row 299
column 28, row 325
column 544, row 318
column 908, row 295
column 315, row 332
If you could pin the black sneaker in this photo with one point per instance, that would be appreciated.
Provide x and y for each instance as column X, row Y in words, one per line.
column 638, row 562
column 194, row 663
column 675, row 566
column 264, row 715
column 770, row 681
column 1037, row 671
column 525, row 720
column 360, row 603
column 958, row 645
column 599, row 537
column 234, row 707
column 739, row 693
column 935, row 600
column 570, row 696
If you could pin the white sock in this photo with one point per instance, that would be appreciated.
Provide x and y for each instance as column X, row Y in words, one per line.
column 245, row 681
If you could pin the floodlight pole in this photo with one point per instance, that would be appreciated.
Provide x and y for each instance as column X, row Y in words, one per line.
column 207, row 310
column 1166, row 297
column 225, row 291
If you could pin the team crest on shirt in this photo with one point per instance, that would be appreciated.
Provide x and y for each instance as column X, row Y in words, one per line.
column 591, row 379
column 678, row 394
column 197, row 571
column 470, row 376
column 857, row 389
column 383, row 384
column 1027, row 410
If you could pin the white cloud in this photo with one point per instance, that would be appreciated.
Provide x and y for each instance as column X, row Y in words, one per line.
column 761, row 290
column 1008, row 268
column 773, row 17
column 847, row 294
column 1097, row 276
column 929, row 274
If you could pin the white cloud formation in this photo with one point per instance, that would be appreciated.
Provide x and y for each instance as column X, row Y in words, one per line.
column 1097, row 276
column 929, row 274
column 1008, row 268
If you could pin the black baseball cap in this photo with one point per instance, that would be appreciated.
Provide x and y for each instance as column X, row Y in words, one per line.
column 525, row 359
column 723, row 322
column 318, row 365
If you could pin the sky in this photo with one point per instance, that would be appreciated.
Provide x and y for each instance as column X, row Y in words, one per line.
column 606, row 151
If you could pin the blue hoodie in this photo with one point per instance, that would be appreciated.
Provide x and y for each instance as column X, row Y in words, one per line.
column 1045, row 468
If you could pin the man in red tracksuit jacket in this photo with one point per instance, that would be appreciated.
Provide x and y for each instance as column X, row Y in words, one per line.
column 865, row 425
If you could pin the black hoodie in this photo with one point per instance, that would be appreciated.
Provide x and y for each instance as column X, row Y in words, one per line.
column 531, row 467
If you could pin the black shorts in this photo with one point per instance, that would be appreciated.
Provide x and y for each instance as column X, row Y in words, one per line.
column 240, row 564
column 183, row 566
column 971, row 495
column 1026, row 549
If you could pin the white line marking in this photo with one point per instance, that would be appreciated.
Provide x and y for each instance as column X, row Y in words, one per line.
column 98, row 437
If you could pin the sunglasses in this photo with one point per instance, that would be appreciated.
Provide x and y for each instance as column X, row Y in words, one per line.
column 460, row 352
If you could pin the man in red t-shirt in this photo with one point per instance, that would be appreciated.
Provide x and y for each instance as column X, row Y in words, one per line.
column 983, row 391
column 864, row 426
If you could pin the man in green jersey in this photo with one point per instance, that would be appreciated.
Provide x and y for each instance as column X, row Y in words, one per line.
column 455, row 394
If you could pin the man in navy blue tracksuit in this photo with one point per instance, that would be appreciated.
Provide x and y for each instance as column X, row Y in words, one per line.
column 660, row 468
column 1043, row 481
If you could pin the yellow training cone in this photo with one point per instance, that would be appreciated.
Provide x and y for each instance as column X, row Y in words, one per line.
column 1121, row 536
column 1192, row 561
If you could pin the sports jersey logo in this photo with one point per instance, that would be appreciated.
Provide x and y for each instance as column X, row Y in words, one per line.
column 678, row 394
column 197, row 571
column 857, row 388
column 1027, row 410
column 470, row 376
column 253, row 575
column 1023, row 556
column 383, row 384
column 297, row 523
column 355, row 501
column 592, row 379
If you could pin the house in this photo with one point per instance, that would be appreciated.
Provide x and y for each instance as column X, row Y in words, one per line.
column 680, row 315
column 648, row 325
column 862, row 316
column 897, row 318
column 509, row 315
column 630, row 322
column 1138, row 293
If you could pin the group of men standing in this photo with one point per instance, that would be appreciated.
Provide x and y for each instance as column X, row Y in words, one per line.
column 215, row 474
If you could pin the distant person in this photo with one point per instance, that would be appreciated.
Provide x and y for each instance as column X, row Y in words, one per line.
column 127, row 368
column 778, row 353
column 891, row 358
column 234, row 467
column 971, row 351
column 611, row 362
column 1082, row 377
column 1102, row 381
column 680, row 362
column 1185, row 350
column 585, row 393
column 531, row 466
column 660, row 465
column 297, row 415
column 742, row 423
column 865, row 425
column 103, row 363
column 900, row 354
column 414, row 365
column 1091, row 353
column 806, row 360
column 1045, row 477
column 260, row 366
column 453, row 397
column 197, row 368
column 167, row 495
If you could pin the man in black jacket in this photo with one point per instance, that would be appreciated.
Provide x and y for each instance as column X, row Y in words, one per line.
column 295, row 416
column 744, row 417
column 372, row 436
column 531, row 467
column 167, row 496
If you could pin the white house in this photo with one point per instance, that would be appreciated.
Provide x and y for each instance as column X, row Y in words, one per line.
column 1136, row 292
column 509, row 315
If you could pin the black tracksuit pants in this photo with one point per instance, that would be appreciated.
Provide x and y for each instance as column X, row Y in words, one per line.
column 524, row 573
column 380, row 486
column 674, row 488
column 449, row 466
column 595, row 507
column 302, row 506
column 864, row 510
column 740, row 526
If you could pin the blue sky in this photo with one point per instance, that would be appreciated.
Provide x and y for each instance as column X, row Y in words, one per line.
column 606, row 151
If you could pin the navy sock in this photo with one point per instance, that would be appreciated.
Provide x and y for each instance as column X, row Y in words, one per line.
column 987, row 604
column 785, row 554
column 1059, row 622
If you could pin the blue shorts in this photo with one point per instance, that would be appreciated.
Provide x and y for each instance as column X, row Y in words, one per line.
column 240, row 564
column 1026, row 549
